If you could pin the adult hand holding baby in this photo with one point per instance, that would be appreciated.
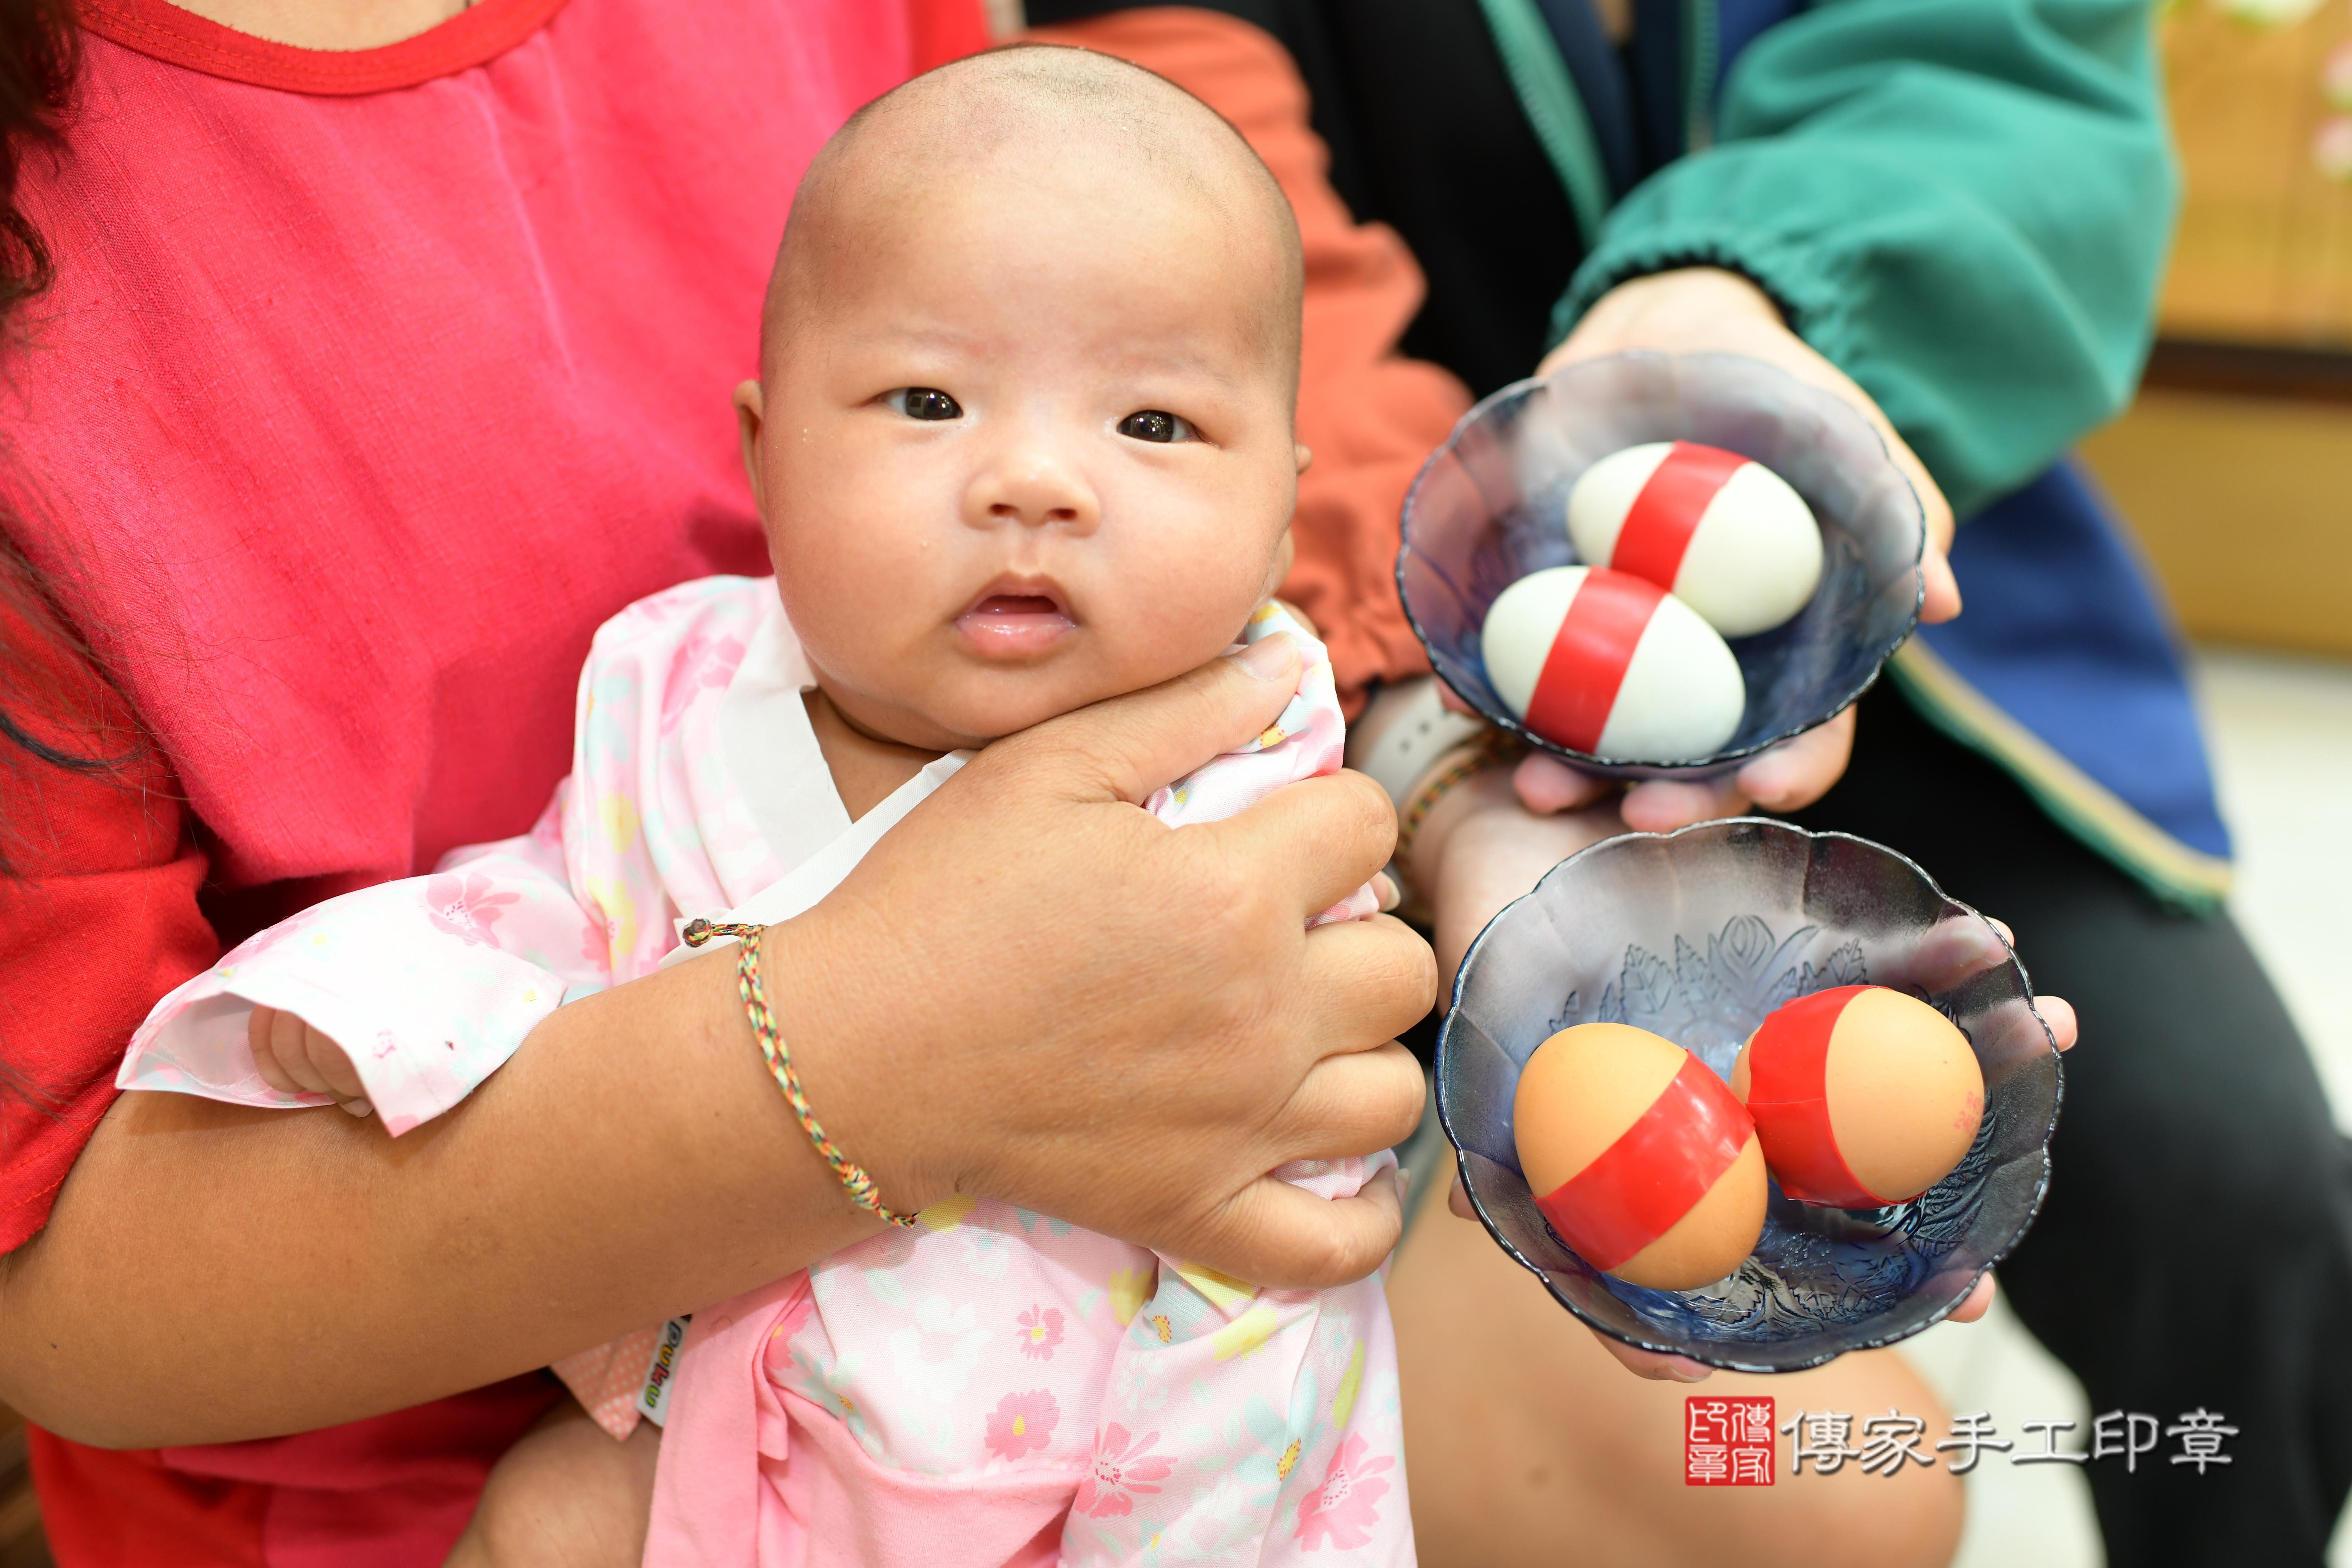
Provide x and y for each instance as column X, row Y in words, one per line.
column 1074, row 1008
column 1031, row 989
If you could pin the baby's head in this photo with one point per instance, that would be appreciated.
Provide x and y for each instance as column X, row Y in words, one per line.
column 1023, row 432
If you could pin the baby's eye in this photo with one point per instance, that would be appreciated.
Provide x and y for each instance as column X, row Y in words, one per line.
column 1152, row 424
column 924, row 402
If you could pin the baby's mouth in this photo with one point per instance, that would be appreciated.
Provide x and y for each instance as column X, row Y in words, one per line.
column 1016, row 619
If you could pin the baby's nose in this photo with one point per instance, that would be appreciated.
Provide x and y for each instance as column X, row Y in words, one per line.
column 1035, row 489
column 1009, row 512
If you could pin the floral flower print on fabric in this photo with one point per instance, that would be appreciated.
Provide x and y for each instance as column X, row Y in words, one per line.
column 1123, row 1469
column 1345, row 1508
column 1022, row 1424
column 466, row 905
column 1040, row 1331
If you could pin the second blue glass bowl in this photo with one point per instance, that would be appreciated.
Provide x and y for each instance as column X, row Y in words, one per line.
column 1696, row 935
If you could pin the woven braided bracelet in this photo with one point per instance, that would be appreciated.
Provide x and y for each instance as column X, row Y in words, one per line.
column 1492, row 748
column 851, row 1174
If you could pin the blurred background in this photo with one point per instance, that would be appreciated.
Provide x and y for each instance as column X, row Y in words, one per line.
column 2235, row 466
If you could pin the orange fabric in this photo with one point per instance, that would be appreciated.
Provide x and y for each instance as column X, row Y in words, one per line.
column 1371, row 415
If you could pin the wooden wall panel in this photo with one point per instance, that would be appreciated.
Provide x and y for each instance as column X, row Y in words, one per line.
column 2265, row 248
column 2244, row 506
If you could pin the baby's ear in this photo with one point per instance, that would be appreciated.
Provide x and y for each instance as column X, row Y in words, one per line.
column 749, row 408
column 1305, row 455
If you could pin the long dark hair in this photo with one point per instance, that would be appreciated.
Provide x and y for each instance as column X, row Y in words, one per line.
column 48, row 717
column 40, row 48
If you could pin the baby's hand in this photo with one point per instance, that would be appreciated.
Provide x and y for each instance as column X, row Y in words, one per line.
column 295, row 1058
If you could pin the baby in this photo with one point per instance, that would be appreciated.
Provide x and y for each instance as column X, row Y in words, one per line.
column 1022, row 440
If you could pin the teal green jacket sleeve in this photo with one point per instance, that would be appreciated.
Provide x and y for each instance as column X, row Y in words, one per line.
column 1963, row 204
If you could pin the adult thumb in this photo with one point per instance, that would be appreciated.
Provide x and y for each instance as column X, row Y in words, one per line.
column 1125, row 747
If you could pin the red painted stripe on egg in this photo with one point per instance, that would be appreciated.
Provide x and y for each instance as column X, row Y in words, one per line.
column 1589, row 654
column 1641, row 1185
column 1788, row 1095
column 1659, row 524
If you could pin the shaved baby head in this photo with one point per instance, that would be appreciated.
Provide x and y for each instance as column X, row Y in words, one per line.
column 1037, row 122
column 1025, row 430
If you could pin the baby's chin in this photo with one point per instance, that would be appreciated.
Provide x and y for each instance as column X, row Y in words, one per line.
column 1001, row 702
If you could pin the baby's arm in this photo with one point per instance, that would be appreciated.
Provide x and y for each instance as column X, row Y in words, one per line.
column 292, row 1057
column 403, row 995
column 566, row 1495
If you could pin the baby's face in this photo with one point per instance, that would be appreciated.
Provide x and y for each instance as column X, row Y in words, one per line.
column 1023, row 446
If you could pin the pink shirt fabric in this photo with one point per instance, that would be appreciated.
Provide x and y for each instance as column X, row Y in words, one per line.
column 371, row 385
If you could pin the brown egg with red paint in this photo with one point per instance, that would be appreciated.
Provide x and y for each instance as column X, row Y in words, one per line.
column 1863, row 1097
column 1644, row 1160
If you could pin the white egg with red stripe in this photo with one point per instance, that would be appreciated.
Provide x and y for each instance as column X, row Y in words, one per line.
column 1722, row 533
column 1606, row 664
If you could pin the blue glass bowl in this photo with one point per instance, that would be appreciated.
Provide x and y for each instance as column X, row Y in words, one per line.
column 1490, row 506
column 1696, row 935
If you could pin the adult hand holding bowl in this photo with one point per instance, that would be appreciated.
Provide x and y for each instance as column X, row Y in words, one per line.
column 1705, row 310
column 1697, row 936
column 1487, row 521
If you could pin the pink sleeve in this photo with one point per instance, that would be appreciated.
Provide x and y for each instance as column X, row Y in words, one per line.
column 428, row 984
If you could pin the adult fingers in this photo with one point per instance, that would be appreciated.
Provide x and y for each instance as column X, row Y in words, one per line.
column 1958, row 948
column 1371, row 980
column 1318, row 840
column 1458, row 1200
column 1942, row 600
column 1351, row 1103
column 2059, row 1014
column 1286, row 1239
column 1545, row 784
column 1661, row 806
column 1657, row 1368
column 1979, row 1301
column 1126, row 747
column 1801, row 770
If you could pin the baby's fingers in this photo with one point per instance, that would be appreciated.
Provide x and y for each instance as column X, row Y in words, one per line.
column 292, row 1057
column 332, row 1067
column 261, row 1035
column 281, row 1052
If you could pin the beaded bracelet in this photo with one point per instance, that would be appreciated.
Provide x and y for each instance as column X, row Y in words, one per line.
column 1489, row 749
column 851, row 1174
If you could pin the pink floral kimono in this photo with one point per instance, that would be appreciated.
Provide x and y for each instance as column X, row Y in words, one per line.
column 991, row 1386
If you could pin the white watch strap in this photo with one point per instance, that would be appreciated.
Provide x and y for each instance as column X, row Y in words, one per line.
column 1404, row 733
